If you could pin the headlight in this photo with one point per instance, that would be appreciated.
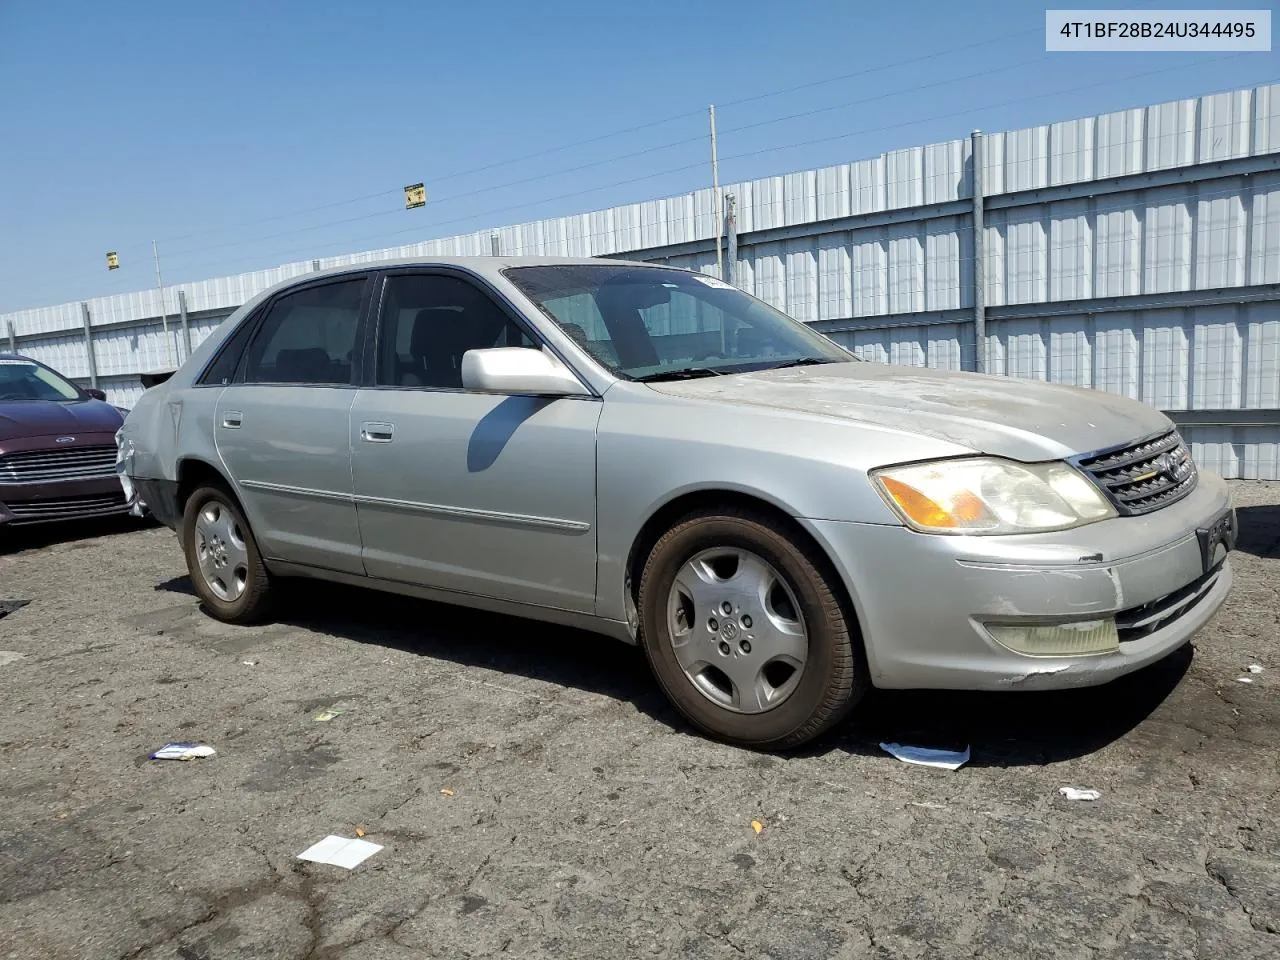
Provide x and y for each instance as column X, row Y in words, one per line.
column 986, row 495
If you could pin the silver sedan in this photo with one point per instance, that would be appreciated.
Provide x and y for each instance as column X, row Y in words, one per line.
column 655, row 455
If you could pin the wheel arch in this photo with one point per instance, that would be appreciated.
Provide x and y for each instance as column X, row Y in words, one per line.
column 663, row 516
column 195, row 472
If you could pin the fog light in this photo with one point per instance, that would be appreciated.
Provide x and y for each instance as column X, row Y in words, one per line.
column 1057, row 639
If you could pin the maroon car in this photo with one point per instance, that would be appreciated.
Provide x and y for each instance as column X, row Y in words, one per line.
column 57, row 447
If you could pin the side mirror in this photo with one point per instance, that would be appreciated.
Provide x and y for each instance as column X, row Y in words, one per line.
column 518, row 370
column 95, row 393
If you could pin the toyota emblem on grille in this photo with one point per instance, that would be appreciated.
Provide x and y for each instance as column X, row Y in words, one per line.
column 1175, row 463
column 65, row 440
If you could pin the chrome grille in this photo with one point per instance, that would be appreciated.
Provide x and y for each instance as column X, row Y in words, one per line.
column 72, row 508
column 1145, row 476
column 44, row 466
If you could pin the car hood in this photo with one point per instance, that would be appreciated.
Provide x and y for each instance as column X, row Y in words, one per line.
column 42, row 418
column 1002, row 416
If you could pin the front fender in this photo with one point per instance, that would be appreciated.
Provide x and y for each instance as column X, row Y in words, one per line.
column 652, row 449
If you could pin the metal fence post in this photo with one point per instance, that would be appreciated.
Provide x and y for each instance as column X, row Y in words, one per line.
column 731, row 230
column 186, row 323
column 979, row 263
column 88, row 345
column 13, row 337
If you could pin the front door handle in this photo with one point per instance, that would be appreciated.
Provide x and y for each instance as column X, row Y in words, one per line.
column 377, row 432
column 232, row 419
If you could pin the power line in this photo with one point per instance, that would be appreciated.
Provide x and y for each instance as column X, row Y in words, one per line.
column 626, row 130
column 520, row 206
column 575, row 193
column 480, row 191
column 471, row 193
column 880, row 96
column 452, row 176
column 990, row 106
column 1002, row 265
column 752, row 153
column 315, row 247
column 869, row 70
column 897, row 63
column 1099, row 210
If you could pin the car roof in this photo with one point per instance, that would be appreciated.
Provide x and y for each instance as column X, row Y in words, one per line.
column 485, row 266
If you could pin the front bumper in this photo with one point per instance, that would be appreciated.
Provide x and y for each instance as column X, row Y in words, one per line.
column 922, row 599
column 23, row 504
column 74, row 494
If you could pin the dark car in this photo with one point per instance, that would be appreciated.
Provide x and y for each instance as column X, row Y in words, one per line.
column 57, row 447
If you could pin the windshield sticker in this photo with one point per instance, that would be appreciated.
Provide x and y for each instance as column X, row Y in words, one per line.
column 713, row 282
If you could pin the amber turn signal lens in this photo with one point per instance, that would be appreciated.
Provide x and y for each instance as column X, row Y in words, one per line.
column 963, row 511
column 916, row 505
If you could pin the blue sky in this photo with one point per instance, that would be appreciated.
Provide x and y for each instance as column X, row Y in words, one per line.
column 209, row 126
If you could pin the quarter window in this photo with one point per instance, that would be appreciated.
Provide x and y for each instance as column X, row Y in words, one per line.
column 223, row 368
column 429, row 321
column 308, row 336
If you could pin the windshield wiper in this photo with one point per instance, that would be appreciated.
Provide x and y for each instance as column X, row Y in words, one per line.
column 684, row 373
column 802, row 362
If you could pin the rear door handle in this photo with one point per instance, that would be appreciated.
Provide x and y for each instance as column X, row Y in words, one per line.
column 377, row 432
column 232, row 419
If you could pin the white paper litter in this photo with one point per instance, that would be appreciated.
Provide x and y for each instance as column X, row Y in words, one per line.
column 183, row 751
column 340, row 851
column 1244, row 679
column 1079, row 793
column 1254, row 668
column 927, row 756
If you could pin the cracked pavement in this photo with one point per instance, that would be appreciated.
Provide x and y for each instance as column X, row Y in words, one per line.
column 585, row 819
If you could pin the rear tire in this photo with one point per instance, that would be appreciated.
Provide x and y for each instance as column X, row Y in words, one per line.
column 744, row 632
column 222, row 555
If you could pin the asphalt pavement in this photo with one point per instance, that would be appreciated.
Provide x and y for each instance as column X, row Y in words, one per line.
column 534, row 795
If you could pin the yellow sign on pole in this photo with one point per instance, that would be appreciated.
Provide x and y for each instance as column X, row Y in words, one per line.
column 113, row 260
column 415, row 195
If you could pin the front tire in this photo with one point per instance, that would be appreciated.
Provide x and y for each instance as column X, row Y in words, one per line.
column 223, row 560
column 745, row 634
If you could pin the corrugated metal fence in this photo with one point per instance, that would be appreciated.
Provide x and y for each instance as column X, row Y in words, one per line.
column 1136, row 252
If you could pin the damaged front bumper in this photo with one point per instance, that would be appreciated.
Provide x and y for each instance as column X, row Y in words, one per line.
column 961, row 612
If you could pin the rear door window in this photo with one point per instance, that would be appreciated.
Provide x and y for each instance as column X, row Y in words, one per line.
column 309, row 336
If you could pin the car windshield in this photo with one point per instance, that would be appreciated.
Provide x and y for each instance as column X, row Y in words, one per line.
column 654, row 323
column 24, row 380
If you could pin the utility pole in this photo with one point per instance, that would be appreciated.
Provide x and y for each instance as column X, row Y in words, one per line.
column 715, row 186
column 164, row 315
column 186, row 321
column 88, row 344
column 979, row 260
column 731, row 228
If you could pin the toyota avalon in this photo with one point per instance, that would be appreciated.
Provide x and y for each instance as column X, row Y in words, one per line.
column 658, row 456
